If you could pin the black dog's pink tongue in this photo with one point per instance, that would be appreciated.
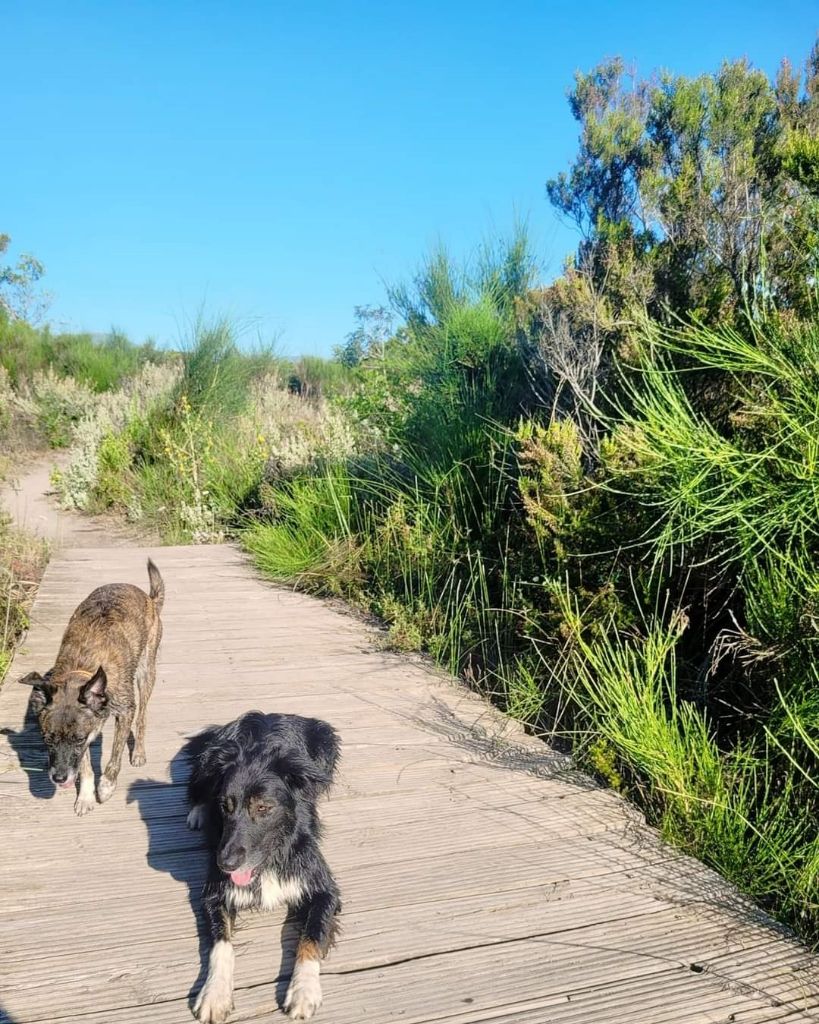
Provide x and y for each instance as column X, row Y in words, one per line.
column 67, row 784
column 241, row 877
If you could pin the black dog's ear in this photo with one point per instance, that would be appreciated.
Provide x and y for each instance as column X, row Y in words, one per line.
column 42, row 690
column 299, row 772
column 93, row 693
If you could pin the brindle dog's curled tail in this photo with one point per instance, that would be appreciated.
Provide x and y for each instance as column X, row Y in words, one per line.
column 157, row 591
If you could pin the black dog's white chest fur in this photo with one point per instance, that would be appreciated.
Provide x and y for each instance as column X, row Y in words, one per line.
column 270, row 892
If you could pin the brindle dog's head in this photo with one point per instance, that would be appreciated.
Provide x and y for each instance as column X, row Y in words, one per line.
column 71, row 711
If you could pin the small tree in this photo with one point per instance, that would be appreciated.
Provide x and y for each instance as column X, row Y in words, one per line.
column 20, row 296
column 368, row 339
column 695, row 195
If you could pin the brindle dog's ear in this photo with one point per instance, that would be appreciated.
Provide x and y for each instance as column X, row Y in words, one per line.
column 41, row 693
column 93, row 694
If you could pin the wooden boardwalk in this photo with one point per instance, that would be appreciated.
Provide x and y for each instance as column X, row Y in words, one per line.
column 483, row 879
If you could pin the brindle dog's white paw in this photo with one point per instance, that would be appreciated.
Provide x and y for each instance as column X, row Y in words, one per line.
column 138, row 758
column 214, row 1002
column 303, row 996
column 83, row 804
column 105, row 789
column 196, row 817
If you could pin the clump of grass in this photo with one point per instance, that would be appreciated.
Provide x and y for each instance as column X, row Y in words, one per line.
column 752, row 483
column 426, row 516
column 310, row 540
column 217, row 374
column 22, row 561
column 732, row 809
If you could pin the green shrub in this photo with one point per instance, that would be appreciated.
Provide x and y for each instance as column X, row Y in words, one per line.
column 58, row 404
column 112, row 487
column 100, row 364
column 556, row 562
column 216, row 374
column 310, row 542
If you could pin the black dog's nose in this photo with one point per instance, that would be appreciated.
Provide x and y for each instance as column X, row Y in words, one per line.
column 233, row 858
column 59, row 776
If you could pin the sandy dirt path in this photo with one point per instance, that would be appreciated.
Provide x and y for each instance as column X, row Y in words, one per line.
column 29, row 498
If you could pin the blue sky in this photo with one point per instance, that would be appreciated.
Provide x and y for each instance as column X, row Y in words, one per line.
column 277, row 162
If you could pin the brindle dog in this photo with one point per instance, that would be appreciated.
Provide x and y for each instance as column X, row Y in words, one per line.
column 106, row 666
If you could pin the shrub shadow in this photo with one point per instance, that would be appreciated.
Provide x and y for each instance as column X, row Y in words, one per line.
column 668, row 873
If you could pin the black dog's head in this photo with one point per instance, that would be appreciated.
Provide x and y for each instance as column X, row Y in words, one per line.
column 260, row 776
column 259, row 804
column 70, row 713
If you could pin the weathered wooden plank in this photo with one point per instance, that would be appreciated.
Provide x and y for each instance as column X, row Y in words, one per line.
column 604, row 949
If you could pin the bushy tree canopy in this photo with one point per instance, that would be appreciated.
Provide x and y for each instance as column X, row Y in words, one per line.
column 695, row 195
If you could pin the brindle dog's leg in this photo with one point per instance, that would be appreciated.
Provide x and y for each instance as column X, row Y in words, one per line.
column 215, row 999
column 146, row 677
column 318, row 927
column 85, row 801
column 122, row 729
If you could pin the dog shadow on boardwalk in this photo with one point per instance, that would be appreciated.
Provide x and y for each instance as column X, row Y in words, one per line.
column 28, row 746
column 174, row 849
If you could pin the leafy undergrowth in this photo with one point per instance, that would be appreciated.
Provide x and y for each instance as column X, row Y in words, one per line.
column 644, row 593
column 22, row 562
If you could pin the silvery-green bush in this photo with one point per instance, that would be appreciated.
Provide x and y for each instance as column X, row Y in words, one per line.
column 109, row 413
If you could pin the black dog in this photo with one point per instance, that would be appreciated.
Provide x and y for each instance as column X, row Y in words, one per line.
column 254, row 786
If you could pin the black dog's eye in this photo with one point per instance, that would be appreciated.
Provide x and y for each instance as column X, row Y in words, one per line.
column 261, row 809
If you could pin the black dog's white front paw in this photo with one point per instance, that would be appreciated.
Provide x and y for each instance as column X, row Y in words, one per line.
column 215, row 1001
column 304, row 994
column 213, row 1004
